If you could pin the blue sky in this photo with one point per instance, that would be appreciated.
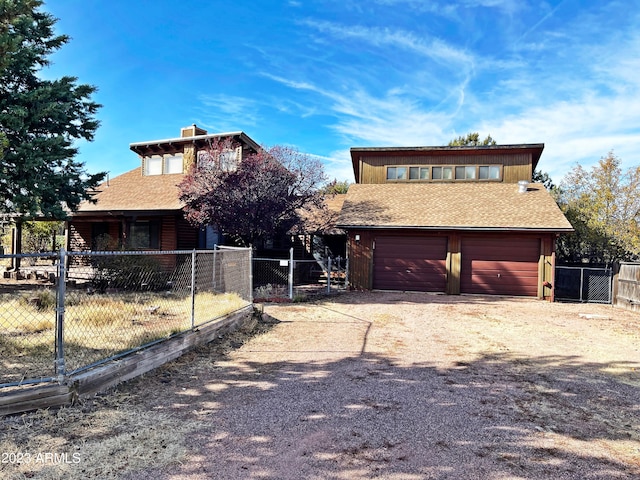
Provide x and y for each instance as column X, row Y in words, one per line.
column 328, row 75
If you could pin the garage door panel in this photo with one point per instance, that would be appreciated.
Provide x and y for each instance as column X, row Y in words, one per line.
column 491, row 288
column 410, row 263
column 502, row 266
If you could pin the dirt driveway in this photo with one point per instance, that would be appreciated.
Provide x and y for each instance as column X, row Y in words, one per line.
column 373, row 385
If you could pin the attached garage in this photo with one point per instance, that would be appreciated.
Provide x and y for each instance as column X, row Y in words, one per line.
column 500, row 266
column 410, row 263
column 469, row 238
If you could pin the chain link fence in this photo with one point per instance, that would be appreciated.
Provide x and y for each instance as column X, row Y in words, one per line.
column 583, row 284
column 289, row 279
column 80, row 309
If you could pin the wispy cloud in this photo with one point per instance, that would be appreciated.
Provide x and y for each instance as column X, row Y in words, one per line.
column 568, row 81
column 224, row 112
column 433, row 48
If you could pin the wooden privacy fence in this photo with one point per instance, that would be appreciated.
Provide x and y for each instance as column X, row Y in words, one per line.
column 626, row 288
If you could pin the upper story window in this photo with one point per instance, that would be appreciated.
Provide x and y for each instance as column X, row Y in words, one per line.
column 163, row 164
column 226, row 160
column 489, row 172
column 396, row 173
column 419, row 173
column 442, row 173
column 173, row 164
column 153, row 165
column 445, row 172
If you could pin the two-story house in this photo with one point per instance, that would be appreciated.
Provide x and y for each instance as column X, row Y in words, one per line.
column 140, row 209
column 452, row 220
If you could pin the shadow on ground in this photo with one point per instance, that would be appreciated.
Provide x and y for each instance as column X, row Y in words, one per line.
column 500, row 416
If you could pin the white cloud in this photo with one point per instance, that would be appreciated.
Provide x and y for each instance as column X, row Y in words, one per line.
column 226, row 112
column 433, row 48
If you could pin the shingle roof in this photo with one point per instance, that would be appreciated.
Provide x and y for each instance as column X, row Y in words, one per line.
column 475, row 206
column 321, row 221
column 133, row 191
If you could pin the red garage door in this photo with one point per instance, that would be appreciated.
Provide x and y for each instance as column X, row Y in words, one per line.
column 410, row 263
column 500, row 266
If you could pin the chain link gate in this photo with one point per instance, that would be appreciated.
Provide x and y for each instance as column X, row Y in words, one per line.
column 583, row 284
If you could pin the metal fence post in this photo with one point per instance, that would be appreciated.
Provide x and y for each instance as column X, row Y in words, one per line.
column 215, row 257
column 346, row 272
column 328, row 274
column 60, row 297
column 193, row 289
column 251, row 275
column 291, row 274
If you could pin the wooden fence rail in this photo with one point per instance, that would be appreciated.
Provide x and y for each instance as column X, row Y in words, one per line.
column 137, row 363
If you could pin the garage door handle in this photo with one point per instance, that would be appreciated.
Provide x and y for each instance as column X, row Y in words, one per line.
column 498, row 275
column 408, row 271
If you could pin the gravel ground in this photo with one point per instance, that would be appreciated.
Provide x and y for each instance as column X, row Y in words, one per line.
column 399, row 386
column 413, row 386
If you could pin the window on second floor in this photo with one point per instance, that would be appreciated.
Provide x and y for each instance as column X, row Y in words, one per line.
column 153, row 165
column 396, row 173
column 159, row 164
column 226, row 160
column 173, row 164
column 489, row 172
column 444, row 172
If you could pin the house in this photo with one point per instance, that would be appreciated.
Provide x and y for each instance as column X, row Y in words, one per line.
column 140, row 209
column 451, row 219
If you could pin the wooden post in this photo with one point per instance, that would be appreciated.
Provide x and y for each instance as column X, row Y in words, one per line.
column 16, row 245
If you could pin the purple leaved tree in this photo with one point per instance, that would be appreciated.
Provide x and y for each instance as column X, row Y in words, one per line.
column 261, row 195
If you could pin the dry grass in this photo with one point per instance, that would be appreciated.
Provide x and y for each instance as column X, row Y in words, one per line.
column 100, row 439
column 114, row 434
column 96, row 326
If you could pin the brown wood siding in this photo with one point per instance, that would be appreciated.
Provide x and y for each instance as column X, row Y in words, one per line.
column 516, row 167
column 168, row 235
column 410, row 263
column 115, row 231
column 500, row 265
column 187, row 236
column 360, row 253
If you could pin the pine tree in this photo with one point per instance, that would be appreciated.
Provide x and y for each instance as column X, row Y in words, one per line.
column 40, row 119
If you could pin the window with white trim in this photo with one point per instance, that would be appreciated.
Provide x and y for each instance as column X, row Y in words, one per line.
column 163, row 164
column 226, row 160
column 173, row 164
column 153, row 165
